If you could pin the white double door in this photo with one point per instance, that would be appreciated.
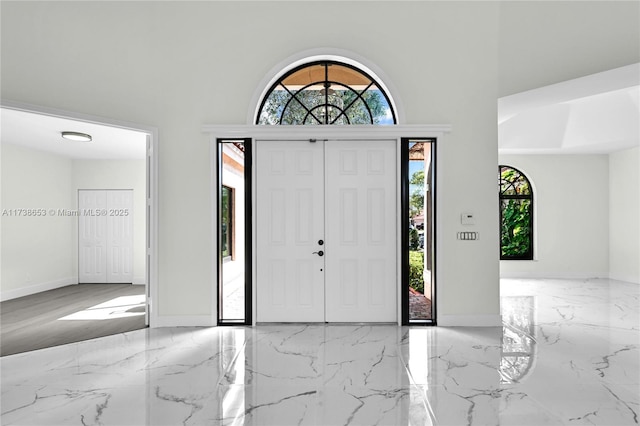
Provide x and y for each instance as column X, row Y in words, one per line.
column 326, row 231
column 105, row 236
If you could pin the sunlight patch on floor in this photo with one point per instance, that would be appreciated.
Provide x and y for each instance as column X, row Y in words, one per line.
column 120, row 307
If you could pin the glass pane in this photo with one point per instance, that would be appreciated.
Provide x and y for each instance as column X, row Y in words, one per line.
column 232, row 232
column 512, row 182
column 515, row 228
column 225, row 220
column 298, row 110
column 358, row 113
column 348, row 76
column 273, row 106
column 315, row 116
column 420, row 232
column 380, row 108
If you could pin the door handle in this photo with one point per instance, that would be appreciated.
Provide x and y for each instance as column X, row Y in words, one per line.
column 319, row 253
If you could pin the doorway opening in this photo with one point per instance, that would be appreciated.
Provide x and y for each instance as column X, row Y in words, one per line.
column 418, row 231
column 43, row 168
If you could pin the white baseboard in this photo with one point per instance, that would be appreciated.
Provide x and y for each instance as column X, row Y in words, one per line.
column 553, row 275
column 182, row 321
column 626, row 278
column 36, row 288
column 139, row 281
column 470, row 320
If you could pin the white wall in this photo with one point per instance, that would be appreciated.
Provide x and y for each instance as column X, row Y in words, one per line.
column 547, row 42
column 624, row 215
column 571, row 216
column 41, row 253
column 37, row 252
column 117, row 174
column 179, row 65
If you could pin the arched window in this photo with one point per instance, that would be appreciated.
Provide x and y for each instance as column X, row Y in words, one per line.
column 326, row 92
column 516, row 215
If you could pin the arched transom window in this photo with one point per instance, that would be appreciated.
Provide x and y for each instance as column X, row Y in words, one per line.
column 516, row 215
column 326, row 92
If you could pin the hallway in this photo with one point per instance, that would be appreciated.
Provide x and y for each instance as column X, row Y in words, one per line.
column 568, row 353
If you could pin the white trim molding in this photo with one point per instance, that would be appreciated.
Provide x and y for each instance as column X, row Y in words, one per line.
column 326, row 132
column 37, row 288
column 151, row 176
column 184, row 321
column 551, row 275
column 626, row 278
column 487, row 320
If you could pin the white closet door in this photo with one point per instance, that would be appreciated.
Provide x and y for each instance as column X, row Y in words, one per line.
column 92, row 236
column 120, row 236
column 290, row 219
column 361, row 276
column 105, row 236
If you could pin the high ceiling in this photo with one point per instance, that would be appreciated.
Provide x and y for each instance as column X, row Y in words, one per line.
column 596, row 114
column 43, row 132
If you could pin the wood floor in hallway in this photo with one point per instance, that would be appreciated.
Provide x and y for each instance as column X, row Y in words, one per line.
column 70, row 314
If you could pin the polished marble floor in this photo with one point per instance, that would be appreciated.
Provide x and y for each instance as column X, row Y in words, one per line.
column 568, row 354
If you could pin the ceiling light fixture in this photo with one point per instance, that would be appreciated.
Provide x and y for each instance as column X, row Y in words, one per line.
column 76, row 136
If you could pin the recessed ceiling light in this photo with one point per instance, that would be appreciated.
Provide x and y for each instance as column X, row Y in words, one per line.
column 76, row 136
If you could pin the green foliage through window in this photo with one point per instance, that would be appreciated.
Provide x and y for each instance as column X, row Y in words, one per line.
column 226, row 222
column 416, row 270
column 516, row 215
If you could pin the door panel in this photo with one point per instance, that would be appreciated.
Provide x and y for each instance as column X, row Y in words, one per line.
column 355, row 281
column 120, row 236
column 92, row 237
column 290, row 221
column 361, row 231
column 105, row 236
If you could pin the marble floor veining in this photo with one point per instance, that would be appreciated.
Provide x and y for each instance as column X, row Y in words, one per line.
column 568, row 353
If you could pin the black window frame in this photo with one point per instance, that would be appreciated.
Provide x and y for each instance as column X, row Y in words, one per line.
column 326, row 82
column 248, row 253
column 405, row 206
column 503, row 196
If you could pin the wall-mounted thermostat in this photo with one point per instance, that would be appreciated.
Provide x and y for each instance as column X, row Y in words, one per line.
column 467, row 218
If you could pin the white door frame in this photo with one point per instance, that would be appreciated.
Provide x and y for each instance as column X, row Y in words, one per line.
column 152, row 188
column 356, row 132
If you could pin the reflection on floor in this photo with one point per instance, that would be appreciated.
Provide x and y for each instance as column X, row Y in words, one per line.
column 567, row 354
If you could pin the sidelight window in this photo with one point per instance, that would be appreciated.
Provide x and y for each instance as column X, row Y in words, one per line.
column 234, row 231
